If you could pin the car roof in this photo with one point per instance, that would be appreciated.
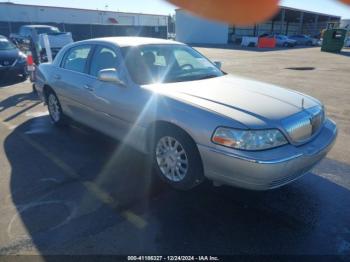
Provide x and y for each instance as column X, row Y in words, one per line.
column 132, row 41
column 3, row 38
column 38, row 26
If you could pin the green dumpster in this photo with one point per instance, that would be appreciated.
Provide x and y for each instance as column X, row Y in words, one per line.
column 333, row 40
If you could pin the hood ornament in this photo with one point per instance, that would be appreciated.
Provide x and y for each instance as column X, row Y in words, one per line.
column 302, row 103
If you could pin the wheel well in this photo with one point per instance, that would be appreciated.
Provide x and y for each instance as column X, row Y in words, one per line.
column 158, row 125
column 46, row 91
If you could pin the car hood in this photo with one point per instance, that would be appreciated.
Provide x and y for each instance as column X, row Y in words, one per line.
column 8, row 54
column 249, row 102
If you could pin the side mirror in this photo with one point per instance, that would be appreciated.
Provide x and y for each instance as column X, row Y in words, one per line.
column 218, row 64
column 110, row 75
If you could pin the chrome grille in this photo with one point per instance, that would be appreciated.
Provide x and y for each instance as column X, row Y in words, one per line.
column 300, row 129
column 316, row 122
column 7, row 62
column 290, row 178
column 303, row 125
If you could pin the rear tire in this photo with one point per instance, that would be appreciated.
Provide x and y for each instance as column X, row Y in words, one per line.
column 55, row 109
column 176, row 159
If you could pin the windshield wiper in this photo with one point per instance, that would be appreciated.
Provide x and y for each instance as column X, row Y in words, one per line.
column 190, row 78
column 207, row 77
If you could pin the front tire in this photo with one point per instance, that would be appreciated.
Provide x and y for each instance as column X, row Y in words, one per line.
column 55, row 109
column 34, row 89
column 176, row 159
column 24, row 77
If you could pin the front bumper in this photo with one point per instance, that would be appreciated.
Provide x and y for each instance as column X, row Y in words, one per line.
column 19, row 68
column 267, row 169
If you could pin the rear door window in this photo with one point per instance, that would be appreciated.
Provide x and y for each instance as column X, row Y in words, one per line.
column 103, row 58
column 76, row 58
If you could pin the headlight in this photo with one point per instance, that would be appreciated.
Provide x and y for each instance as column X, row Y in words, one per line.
column 22, row 57
column 248, row 139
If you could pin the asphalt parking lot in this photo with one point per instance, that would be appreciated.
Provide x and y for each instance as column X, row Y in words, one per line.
column 74, row 191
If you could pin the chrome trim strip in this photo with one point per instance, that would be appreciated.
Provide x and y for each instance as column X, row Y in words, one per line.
column 257, row 161
column 8, row 66
column 14, row 63
column 294, row 125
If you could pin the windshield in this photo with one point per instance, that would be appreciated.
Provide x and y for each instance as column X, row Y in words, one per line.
column 150, row 64
column 6, row 45
column 47, row 30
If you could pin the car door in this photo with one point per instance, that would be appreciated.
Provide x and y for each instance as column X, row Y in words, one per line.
column 279, row 40
column 302, row 40
column 72, row 83
column 116, row 106
column 297, row 38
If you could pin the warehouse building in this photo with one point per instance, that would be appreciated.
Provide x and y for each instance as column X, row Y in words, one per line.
column 288, row 21
column 345, row 23
column 83, row 23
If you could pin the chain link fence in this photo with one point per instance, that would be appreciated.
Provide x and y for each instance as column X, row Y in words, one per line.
column 87, row 31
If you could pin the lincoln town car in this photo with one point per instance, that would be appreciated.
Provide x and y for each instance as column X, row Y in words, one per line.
column 195, row 121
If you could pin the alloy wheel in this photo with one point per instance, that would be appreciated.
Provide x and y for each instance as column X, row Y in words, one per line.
column 54, row 108
column 172, row 159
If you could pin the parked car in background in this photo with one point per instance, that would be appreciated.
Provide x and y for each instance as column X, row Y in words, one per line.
column 12, row 61
column 33, row 34
column 195, row 121
column 171, row 36
column 316, row 39
column 268, row 35
column 285, row 41
column 302, row 39
column 281, row 40
column 347, row 42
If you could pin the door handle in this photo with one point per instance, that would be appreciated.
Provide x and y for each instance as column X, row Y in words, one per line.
column 88, row 87
column 57, row 77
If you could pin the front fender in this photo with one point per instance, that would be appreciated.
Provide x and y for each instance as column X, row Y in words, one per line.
column 199, row 123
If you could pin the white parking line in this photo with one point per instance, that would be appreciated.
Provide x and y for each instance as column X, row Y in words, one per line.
column 36, row 114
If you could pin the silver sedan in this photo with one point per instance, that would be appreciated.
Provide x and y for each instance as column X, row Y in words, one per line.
column 169, row 101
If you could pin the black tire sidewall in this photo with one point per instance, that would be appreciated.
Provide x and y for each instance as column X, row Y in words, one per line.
column 61, row 121
column 194, row 174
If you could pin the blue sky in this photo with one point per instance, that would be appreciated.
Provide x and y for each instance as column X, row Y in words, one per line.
column 161, row 7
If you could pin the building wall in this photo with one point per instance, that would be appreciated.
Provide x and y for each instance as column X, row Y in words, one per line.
column 289, row 21
column 87, row 31
column 345, row 23
column 39, row 14
column 192, row 29
column 83, row 24
column 289, row 28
